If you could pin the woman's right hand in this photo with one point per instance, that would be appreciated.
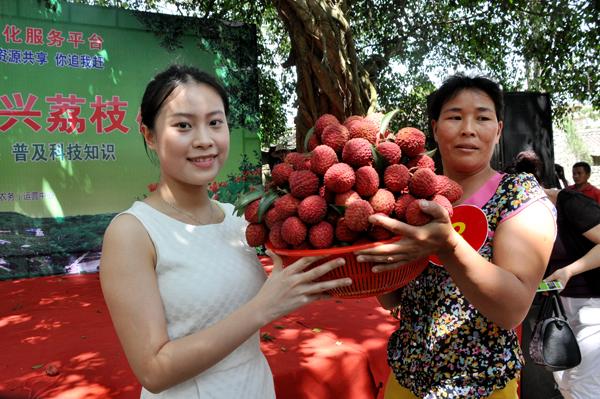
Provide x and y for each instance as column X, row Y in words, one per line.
column 291, row 287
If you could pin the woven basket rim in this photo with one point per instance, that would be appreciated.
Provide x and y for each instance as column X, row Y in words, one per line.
column 329, row 251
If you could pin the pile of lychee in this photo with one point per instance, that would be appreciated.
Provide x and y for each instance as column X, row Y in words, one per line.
column 323, row 198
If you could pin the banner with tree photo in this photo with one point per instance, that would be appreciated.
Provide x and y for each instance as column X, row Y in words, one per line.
column 71, row 154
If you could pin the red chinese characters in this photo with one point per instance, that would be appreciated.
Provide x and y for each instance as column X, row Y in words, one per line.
column 113, row 112
column 54, row 38
column 18, row 110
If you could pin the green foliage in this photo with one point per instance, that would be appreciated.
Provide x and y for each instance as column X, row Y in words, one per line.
column 575, row 143
column 249, row 178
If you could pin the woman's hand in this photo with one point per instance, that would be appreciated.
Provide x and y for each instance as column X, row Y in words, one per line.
column 563, row 275
column 416, row 242
column 288, row 288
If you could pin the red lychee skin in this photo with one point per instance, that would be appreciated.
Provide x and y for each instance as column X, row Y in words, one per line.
column 339, row 178
column 293, row 230
column 343, row 233
column 367, row 181
column 251, row 211
column 256, row 234
column 312, row 209
column 275, row 237
column 401, row 204
column 323, row 121
column 448, row 188
column 396, row 177
column 322, row 158
column 422, row 183
column 326, row 194
column 287, row 205
column 303, row 183
column 335, row 136
column 444, row 202
column 415, row 216
column 357, row 152
column 390, row 152
column 379, row 233
column 273, row 216
column 411, row 141
column 281, row 173
column 321, row 235
column 357, row 215
column 313, row 142
column 296, row 159
column 344, row 199
column 375, row 117
column 383, row 201
column 364, row 129
column 421, row 161
column 351, row 119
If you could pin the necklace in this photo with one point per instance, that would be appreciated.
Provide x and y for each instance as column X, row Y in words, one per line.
column 189, row 215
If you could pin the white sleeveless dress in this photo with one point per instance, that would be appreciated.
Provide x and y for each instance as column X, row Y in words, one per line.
column 204, row 274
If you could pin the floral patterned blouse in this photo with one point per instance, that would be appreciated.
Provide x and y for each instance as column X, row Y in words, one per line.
column 445, row 348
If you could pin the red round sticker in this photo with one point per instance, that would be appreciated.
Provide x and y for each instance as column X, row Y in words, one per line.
column 470, row 222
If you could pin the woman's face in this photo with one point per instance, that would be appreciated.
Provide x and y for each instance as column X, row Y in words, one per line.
column 191, row 135
column 467, row 131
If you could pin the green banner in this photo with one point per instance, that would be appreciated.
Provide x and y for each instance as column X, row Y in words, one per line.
column 71, row 155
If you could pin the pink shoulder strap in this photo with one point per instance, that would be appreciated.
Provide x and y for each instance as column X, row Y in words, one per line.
column 485, row 192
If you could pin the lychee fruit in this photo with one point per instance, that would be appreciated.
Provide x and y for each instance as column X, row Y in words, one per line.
column 339, row 178
column 390, row 152
column 367, row 181
column 357, row 152
column 287, row 205
column 448, row 188
column 313, row 142
column 396, row 177
column 364, row 129
column 335, row 136
column 293, row 230
column 421, row 161
column 303, row 183
column 401, row 204
column 275, row 236
column 256, row 234
column 351, row 119
column 273, row 216
column 251, row 211
column 383, row 201
column 357, row 215
column 415, row 216
column 323, row 121
column 321, row 235
column 322, row 158
column 344, row 199
column 422, row 183
column 343, row 232
column 411, row 141
column 298, row 160
column 379, row 233
column 312, row 209
column 375, row 117
column 281, row 173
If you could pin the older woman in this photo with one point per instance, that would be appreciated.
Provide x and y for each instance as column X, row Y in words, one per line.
column 456, row 338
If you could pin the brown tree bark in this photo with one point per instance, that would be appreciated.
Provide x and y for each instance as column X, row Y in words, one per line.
column 330, row 77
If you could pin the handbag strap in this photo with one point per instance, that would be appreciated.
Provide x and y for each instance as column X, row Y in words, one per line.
column 546, row 308
column 558, row 306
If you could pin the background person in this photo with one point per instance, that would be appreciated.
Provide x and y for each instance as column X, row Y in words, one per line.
column 581, row 174
column 575, row 262
column 456, row 337
column 186, row 294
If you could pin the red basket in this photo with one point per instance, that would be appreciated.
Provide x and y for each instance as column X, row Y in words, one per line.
column 365, row 283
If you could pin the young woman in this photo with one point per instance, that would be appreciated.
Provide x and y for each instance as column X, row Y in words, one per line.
column 186, row 294
column 456, row 338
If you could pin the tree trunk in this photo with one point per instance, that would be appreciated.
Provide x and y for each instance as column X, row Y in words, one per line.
column 330, row 77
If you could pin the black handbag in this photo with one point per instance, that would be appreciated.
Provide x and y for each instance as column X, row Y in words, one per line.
column 553, row 344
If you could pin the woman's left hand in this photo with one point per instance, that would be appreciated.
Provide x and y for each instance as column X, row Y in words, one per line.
column 416, row 242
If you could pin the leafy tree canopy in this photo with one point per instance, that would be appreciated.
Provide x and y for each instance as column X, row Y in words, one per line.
column 384, row 54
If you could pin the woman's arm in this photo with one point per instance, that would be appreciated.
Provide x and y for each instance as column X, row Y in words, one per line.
column 589, row 261
column 503, row 289
column 131, row 292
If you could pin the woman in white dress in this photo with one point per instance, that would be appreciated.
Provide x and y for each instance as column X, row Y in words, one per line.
column 186, row 294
